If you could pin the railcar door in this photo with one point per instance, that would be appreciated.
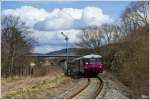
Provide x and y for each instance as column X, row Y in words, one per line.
column 81, row 66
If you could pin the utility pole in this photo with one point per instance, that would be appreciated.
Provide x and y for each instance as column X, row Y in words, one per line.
column 66, row 39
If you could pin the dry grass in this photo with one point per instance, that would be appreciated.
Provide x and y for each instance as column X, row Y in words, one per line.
column 33, row 87
column 30, row 87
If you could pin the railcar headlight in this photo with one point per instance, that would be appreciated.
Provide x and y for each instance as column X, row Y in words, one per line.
column 100, row 66
column 86, row 63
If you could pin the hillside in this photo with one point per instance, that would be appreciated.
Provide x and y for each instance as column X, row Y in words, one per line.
column 130, row 62
column 71, row 51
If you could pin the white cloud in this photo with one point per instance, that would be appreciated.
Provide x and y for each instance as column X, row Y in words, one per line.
column 47, row 25
column 28, row 14
column 72, row 33
column 93, row 16
column 63, row 21
column 51, row 37
column 74, row 13
column 59, row 19
column 69, row 18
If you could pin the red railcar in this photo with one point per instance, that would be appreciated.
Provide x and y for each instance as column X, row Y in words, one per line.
column 90, row 64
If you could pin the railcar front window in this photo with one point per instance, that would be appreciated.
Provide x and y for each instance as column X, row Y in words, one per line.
column 92, row 61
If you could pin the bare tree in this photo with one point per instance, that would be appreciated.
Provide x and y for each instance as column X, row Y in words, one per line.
column 108, row 30
column 95, row 37
column 90, row 37
column 15, row 45
column 117, row 35
column 135, row 15
column 141, row 10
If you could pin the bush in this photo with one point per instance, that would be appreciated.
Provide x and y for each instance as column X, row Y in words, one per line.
column 131, row 63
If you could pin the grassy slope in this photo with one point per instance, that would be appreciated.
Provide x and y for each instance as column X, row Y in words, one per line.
column 33, row 87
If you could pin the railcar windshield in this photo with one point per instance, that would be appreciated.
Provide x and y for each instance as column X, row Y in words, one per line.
column 93, row 61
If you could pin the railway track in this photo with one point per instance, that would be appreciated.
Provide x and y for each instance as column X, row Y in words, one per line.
column 100, row 87
column 90, row 91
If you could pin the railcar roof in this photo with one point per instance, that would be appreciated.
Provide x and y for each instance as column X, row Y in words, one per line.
column 89, row 56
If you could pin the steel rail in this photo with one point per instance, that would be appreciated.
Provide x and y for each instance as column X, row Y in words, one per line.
column 100, row 86
column 73, row 95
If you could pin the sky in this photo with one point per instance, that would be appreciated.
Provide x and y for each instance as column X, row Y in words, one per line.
column 48, row 19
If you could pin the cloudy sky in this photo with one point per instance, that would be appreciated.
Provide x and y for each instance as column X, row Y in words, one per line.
column 48, row 19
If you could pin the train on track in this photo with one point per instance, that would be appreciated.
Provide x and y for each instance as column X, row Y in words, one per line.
column 86, row 65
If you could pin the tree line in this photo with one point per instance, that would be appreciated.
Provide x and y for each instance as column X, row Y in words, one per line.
column 14, row 45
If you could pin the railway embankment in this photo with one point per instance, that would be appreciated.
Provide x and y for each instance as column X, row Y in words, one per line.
column 112, row 88
column 130, row 62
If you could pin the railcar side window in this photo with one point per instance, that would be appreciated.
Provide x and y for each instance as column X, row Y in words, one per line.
column 98, row 61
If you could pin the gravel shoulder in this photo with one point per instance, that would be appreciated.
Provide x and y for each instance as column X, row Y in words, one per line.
column 113, row 89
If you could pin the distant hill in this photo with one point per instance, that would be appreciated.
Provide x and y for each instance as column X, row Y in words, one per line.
column 37, row 54
column 71, row 51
